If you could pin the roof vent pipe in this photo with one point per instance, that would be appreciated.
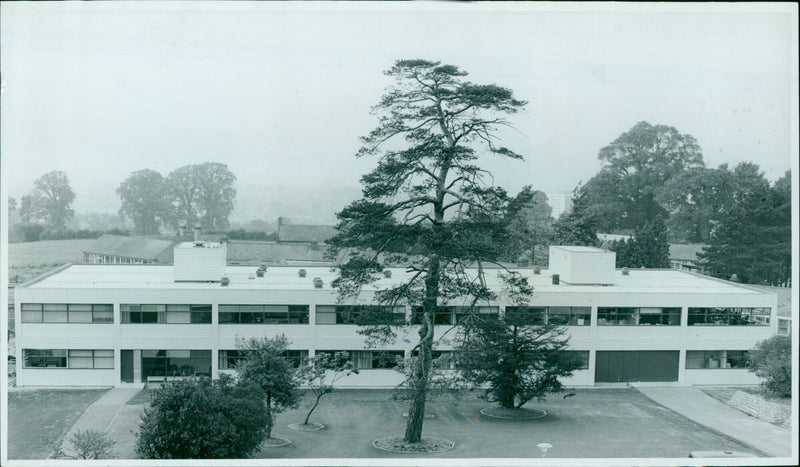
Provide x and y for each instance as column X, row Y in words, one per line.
column 537, row 269
column 556, row 279
column 625, row 271
column 196, row 234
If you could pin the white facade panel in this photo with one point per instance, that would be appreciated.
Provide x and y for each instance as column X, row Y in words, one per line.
column 66, row 377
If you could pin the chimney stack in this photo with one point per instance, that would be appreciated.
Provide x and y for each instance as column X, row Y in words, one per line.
column 196, row 234
column 556, row 279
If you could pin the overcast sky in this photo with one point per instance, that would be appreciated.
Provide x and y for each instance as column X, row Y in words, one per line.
column 281, row 92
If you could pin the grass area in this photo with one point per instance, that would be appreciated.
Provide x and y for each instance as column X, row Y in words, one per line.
column 142, row 397
column 40, row 419
column 596, row 423
column 28, row 260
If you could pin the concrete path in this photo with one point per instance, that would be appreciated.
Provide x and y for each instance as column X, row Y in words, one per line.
column 100, row 415
column 701, row 408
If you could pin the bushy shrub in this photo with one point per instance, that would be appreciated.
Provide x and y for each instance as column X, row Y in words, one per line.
column 202, row 419
column 92, row 444
column 771, row 360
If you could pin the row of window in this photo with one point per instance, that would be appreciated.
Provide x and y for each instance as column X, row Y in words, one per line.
column 189, row 362
column 62, row 358
column 364, row 314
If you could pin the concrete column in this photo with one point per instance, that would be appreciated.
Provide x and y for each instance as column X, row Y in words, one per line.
column 215, row 363
column 137, row 366
column 684, row 316
column 594, row 316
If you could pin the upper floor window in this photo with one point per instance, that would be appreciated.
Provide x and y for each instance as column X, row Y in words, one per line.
column 729, row 316
column 455, row 314
column 626, row 316
column 67, row 313
column 263, row 314
column 165, row 314
column 359, row 314
column 559, row 315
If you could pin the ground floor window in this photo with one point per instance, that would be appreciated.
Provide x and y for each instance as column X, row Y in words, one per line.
column 371, row 359
column 582, row 356
column 713, row 359
column 176, row 363
column 62, row 358
column 228, row 359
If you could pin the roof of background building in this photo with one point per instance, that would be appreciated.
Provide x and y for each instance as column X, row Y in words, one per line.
column 130, row 247
column 254, row 252
column 287, row 278
column 685, row 251
column 305, row 233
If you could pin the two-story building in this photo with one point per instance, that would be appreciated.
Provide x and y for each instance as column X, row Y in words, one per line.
column 104, row 324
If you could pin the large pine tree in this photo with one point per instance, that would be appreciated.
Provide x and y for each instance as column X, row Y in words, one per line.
column 427, row 204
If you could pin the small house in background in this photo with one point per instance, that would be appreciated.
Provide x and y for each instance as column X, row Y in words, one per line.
column 683, row 256
column 116, row 249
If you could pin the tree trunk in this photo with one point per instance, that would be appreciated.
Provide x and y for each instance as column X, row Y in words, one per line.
column 508, row 401
column 270, row 421
column 422, row 366
column 316, row 403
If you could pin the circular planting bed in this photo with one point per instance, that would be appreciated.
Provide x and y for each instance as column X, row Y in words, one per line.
column 513, row 414
column 306, row 426
column 427, row 445
column 275, row 442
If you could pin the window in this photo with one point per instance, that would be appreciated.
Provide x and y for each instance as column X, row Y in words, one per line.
column 228, row 359
column 617, row 316
column 455, row 314
column 67, row 313
column 558, row 315
column 359, row 314
column 784, row 327
column 370, row 360
column 659, row 316
column 263, row 314
column 169, row 314
column 98, row 359
column 714, row 359
column 729, row 316
column 582, row 356
column 176, row 363
column 41, row 358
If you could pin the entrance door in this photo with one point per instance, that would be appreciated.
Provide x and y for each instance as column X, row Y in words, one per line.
column 631, row 366
column 126, row 366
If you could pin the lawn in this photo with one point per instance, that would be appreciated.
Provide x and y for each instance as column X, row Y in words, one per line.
column 39, row 419
column 600, row 423
column 28, row 260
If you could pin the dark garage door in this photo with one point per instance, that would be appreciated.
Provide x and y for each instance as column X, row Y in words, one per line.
column 630, row 366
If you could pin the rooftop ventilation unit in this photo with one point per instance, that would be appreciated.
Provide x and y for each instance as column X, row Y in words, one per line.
column 582, row 265
column 556, row 279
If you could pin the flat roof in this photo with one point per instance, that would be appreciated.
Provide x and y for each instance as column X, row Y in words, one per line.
column 581, row 249
column 108, row 276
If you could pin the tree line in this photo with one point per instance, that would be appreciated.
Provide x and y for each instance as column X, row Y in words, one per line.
column 196, row 194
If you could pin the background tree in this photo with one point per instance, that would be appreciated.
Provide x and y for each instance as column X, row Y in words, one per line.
column 215, row 195
column 771, row 360
column 198, row 418
column 183, row 190
column 576, row 227
column 426, row 204
column 513, row 361
column 753, row 239
column 325, row 370
column 636, row 166
column 265, row 366
column 49, row 202
column 202, row 193
column 696, row 200
column 144, row 200
column 648, row 248
column 530, row 224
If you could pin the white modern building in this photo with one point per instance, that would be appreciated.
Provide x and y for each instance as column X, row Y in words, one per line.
column 560, row 202
column 120, row 324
